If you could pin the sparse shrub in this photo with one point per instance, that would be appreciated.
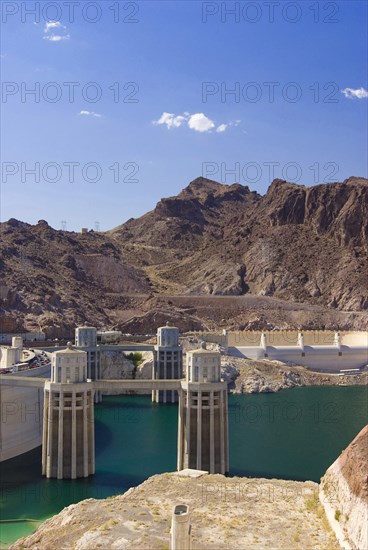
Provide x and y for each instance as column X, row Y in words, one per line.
column 311, row 503
column 136, row 358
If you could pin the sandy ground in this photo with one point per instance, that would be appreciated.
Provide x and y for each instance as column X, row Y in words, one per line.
column 226, row 513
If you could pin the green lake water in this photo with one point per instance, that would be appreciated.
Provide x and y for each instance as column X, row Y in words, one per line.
column 292, row 434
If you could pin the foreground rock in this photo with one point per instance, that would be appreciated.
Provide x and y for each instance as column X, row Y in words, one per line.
column 226, row 513
column 344, row 494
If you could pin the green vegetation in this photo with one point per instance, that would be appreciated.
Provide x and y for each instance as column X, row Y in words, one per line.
column 337, row 515
column 136, row 358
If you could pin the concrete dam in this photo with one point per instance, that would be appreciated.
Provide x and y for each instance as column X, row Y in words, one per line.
column 74, row 388
column 68, row 450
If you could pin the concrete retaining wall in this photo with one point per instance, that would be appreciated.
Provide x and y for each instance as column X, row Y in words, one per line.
column 322, row 358
column 21, row 416
column 282, row 337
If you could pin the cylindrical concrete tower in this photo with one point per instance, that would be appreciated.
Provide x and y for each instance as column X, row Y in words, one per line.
column 337, row 340
column 86, row 339
column 9, row 357
column 168, row 362
column 17, row 342
column 68, row 449
column 203, row 419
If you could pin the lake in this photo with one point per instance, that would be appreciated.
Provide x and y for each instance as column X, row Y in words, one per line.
column 293, row 434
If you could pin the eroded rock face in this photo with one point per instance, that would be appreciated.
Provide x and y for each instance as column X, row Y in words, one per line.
column 344, row 493
column 340, row 208
column 116, row 365
column 285, row 202
column 306, row 244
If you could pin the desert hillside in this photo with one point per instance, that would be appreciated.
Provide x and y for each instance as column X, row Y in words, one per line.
column 214, row 255
column 294, row 243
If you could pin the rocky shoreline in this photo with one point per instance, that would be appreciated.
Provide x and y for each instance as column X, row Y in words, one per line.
column 243, row 375
column 251, row 376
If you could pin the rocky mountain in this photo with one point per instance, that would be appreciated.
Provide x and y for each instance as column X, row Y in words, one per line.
column 294, row 243
column 306, row 246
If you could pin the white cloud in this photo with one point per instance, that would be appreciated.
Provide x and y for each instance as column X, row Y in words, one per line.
column 359, row 93
column 200, row 123
column 90, row 113
column 52, row 25
column 170, row 120
column 57, row 37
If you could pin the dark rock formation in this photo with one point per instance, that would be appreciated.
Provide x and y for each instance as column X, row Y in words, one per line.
column 295, row 243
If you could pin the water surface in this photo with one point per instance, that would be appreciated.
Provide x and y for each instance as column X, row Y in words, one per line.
column 292, row 434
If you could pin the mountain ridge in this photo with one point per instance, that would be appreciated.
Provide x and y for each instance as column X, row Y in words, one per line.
column 294, row 243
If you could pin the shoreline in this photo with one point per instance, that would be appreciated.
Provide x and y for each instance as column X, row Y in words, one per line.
column 262, row 376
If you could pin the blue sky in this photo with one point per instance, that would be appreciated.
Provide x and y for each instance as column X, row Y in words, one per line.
column 168, row 126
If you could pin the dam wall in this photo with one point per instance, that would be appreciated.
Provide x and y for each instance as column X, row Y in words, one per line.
column 318, row 358
column 290, row 338
column 21, row 415
column 319, row 350
column 281, row 337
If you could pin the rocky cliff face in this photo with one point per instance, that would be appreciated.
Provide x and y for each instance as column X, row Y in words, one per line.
column 295, row 243
column 339, row 208
column 116, row 366
column 344, row 494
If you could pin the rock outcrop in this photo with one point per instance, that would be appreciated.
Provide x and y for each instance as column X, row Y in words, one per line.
column 116, row 365
column 225, row 513
column 257, row 376
column 344, row 494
